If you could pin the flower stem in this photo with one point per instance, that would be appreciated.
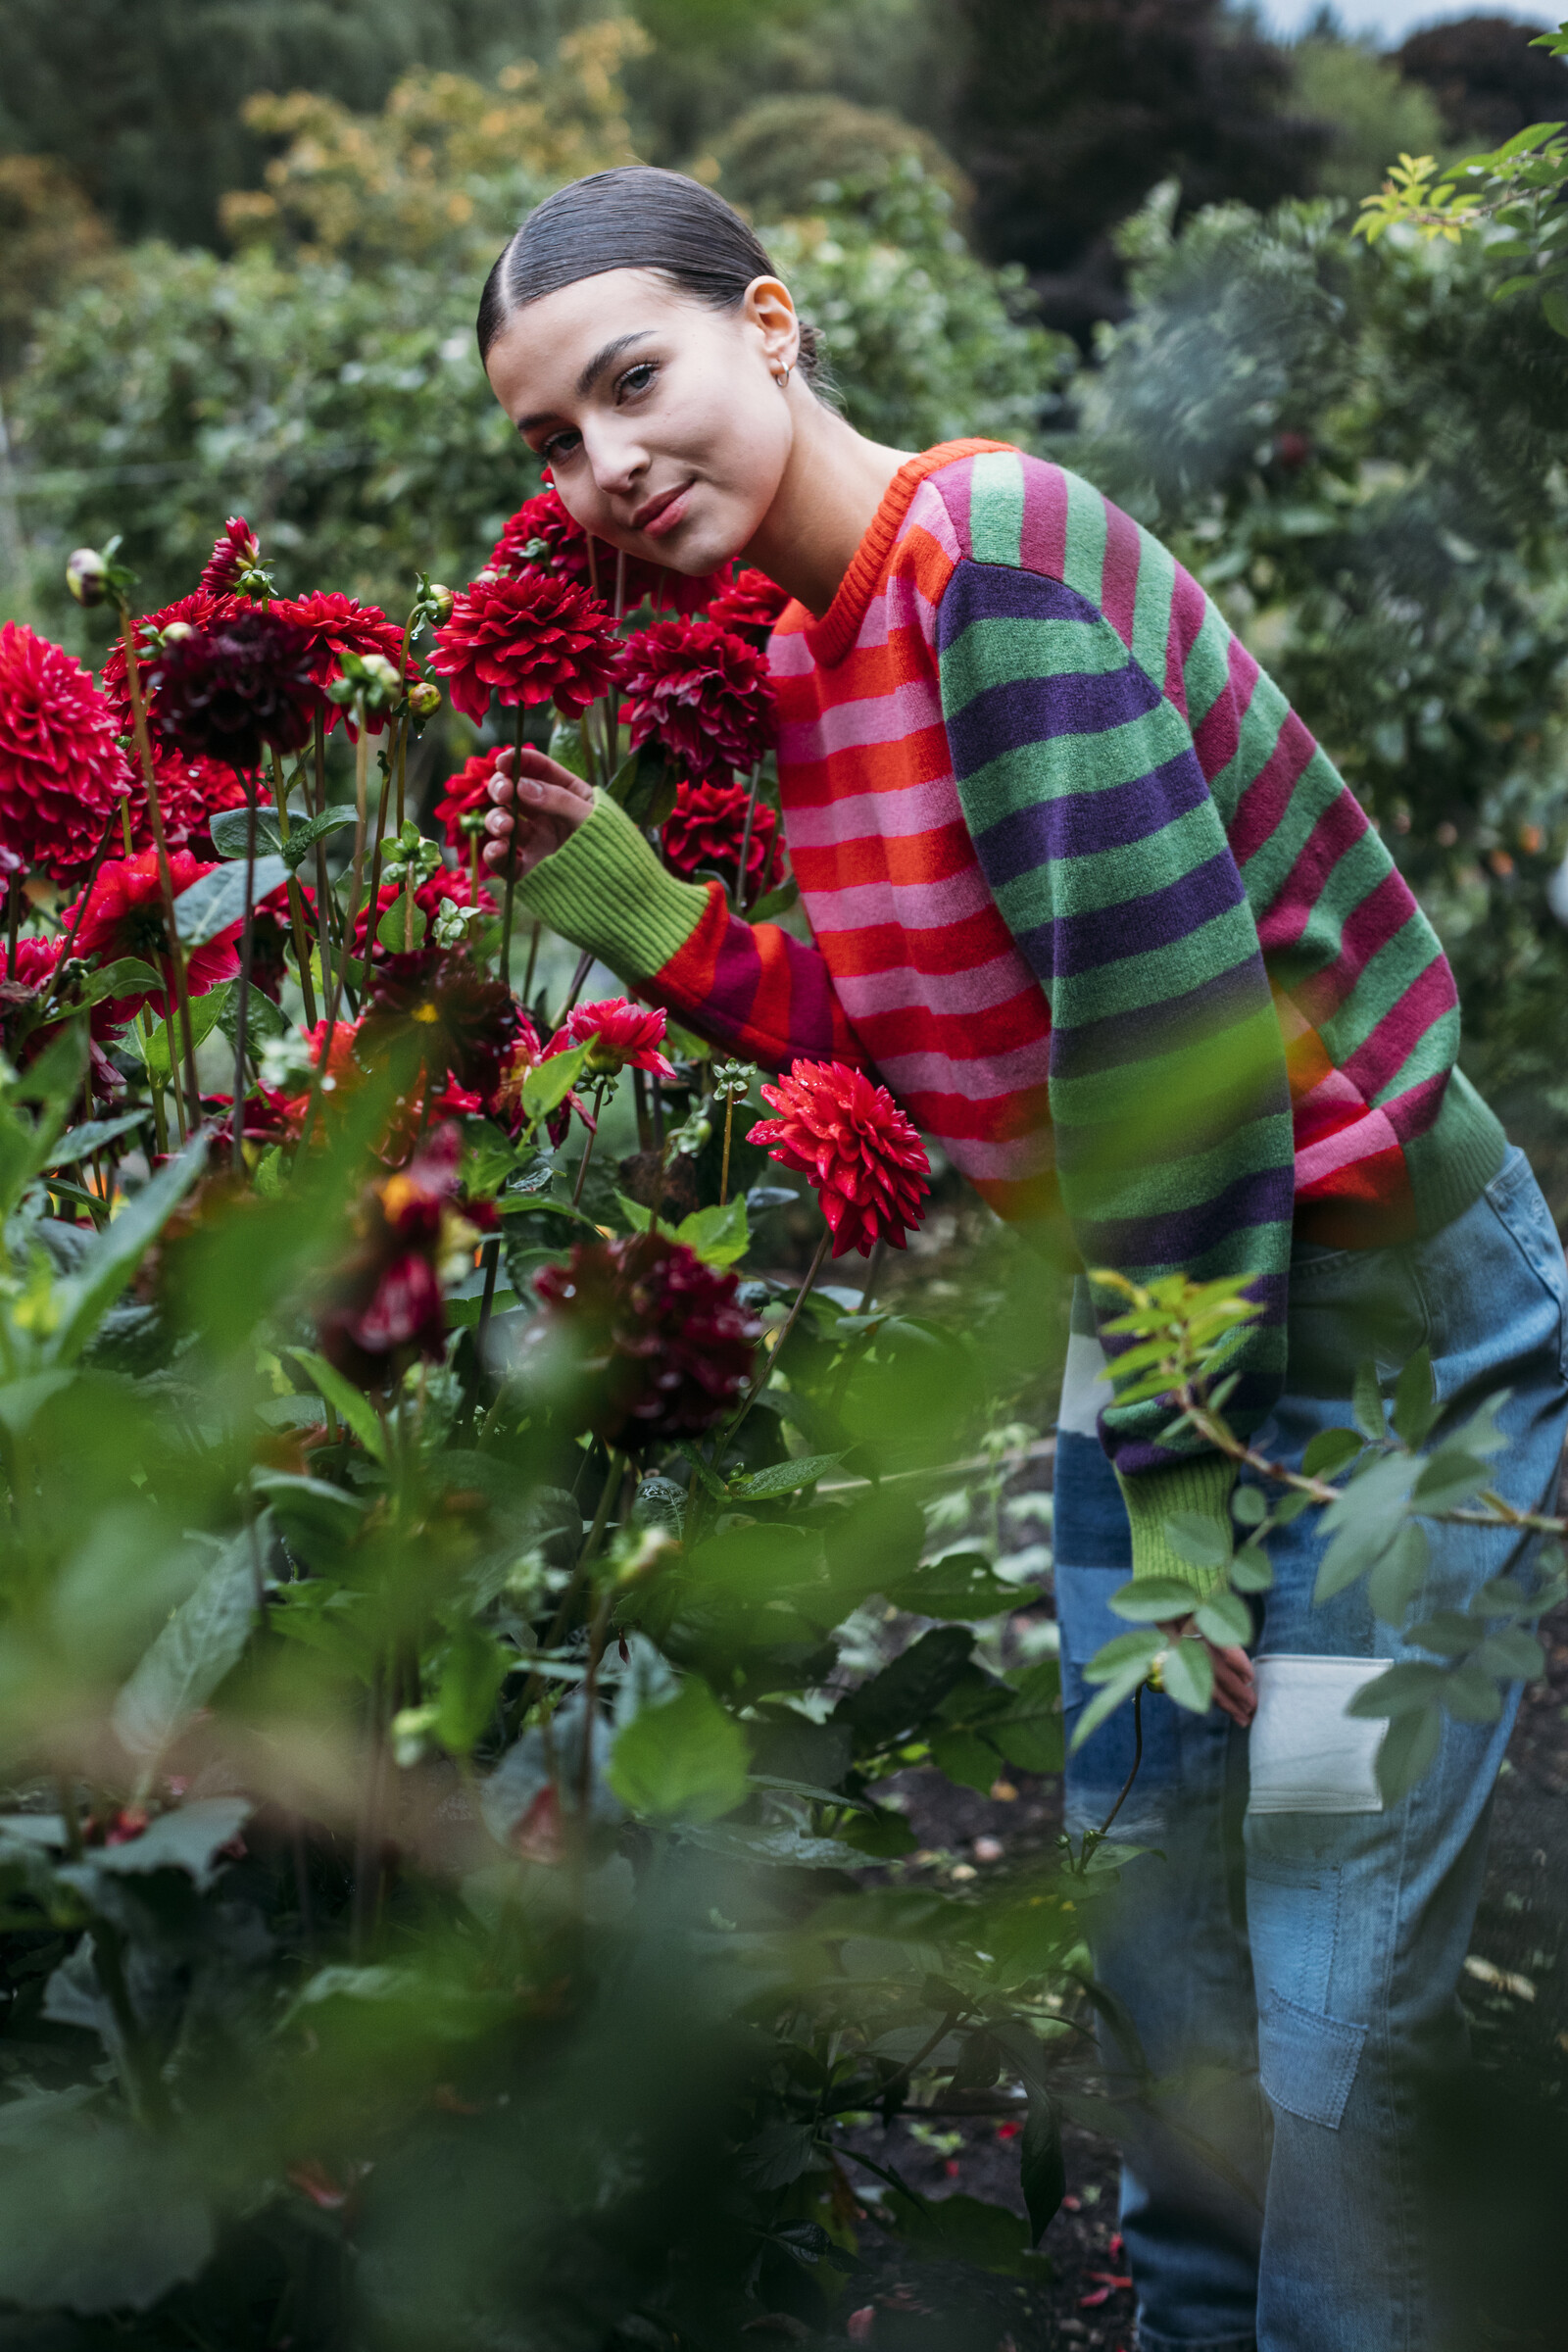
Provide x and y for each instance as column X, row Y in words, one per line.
column 296, row 903
column 771, row 1362
column 724, row 1173
column 176, row 957
column 14, row 923
column 492, row 1260
column 324, row 896
column 247, row 946
column 323, row 1060
column 745, row 840
column 372, row 903
column 588, row 1148
column 533, row 958
column 512, row 868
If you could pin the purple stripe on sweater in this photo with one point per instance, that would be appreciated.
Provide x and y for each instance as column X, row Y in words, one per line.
column 1082, row 823
column 1180, row 1236
column 1078, row 943
column 1190, row 1019
column 1001, row 591
column 1025, row 711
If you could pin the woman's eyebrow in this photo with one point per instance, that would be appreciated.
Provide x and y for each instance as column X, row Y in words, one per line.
column 590, row 375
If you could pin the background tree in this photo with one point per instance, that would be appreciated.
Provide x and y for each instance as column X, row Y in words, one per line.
column 1486, row 76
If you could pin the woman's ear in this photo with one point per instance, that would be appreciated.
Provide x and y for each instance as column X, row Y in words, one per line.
column 770, row 312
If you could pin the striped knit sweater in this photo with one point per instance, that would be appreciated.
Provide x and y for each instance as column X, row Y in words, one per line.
column 1090, row 900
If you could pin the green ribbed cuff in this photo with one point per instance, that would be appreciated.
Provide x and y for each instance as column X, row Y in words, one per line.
column 1201, row 1484
column 605, row 890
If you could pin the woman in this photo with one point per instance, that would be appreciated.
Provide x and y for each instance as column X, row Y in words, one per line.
column 1089, row 899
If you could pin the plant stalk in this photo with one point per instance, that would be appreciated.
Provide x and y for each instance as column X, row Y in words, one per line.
column 247, row 946
column 296, row 897
column 745, row 840
column 176, row 953
column 771, row 1362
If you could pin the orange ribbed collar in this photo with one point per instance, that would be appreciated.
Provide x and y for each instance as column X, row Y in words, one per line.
column 830, row 638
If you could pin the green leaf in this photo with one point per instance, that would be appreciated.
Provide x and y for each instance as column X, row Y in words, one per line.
column 1189, row 1675
column 1554, row 308
column 777, row 903
column 346, row 1400
column 1330, row 1450
column 963, row 2230
column 1249, row 1506
column 303, row 838
column 130, row 976
column 1226, row 1619
column 1469, row 1693
column 1514, row 1655
column 1122, row 1652
column 466, row 1312
column 201, row 1644
column 229, row 829
column 1415, row 1406
column 1397, row 1577
column 149, row 2229
column 880, row 1833
column 1251, row 1570
column 472, row 1675
column 1448, row 1478
column 164, row 1048
column 785, row 1478
column 218, row 901
column 1400, row 1692
column 1156, row 1600
column 1204, row 1543
column 961, row 1585
column 1407, row 1747
column 548, row 1082
column 393, row 933
column 1043, row 2171
column 1366, row 1402
column 718, row 1236
column 91, row 1136
column 906, row 1693
column 110, row 1261
column 711, row 1486
column 965, row 1758
column 684, row 1760
column 1029, row 1733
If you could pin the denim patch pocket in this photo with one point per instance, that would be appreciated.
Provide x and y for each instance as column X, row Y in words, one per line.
column 1306, row 2060
column 1304, row 1753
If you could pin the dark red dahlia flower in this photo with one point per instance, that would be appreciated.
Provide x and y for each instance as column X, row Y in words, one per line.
column 228, row 691
column 338, row 624
column 705, row 828
column 859, row 1151
column 124, row 916
column 619, row 1037
column 463, row 1021
column 234, row 550
column 751, row 606
column 528, row 640
column 466, row 794
column 61, row 770
column 385, row 1307
column 658, row 1344
column 542, row 537
column 701, row 694
column 201, row 609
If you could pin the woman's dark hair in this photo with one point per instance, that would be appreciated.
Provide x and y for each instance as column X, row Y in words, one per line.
column 634, row 218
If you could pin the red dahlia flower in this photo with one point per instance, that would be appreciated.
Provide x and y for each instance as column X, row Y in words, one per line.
column 201, row 609
column 466, row 794
column 338, row 624
column 528, row 640
column 227, row 691
column 461, row 1021
column 190, row 794
column 62, row 771
column 386, row 1308
column 506, row 1103
column 542, row 537
column 705, row 828
column 124, row 916
column 620, row 1037
column 234, row 550
column 702, row 694
column 857, row 1147
column 751, row 606
column 661, row 1345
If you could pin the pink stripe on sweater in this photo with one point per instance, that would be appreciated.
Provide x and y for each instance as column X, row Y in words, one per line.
column 1188, row 607
column 1381, row 916
column 1043, row 534
column 897, row 814
column 977, row 987
column 1403, row 1027
column 1339, row 828
column 917, row 906
column 1412, row 1113
column 1219, row 730
column 891, row 717
column 1361, row 1139
column 1263, row 804
column 942, row 514
column 1119, row 580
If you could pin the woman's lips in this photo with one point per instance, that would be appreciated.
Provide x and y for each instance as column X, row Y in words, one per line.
column 661, row 516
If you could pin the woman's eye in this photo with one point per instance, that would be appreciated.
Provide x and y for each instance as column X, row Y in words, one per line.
column 559, row 446
column 638, row 379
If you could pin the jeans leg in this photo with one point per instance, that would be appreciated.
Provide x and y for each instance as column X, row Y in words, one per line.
column 1170, row 1946
column 1359, row 1916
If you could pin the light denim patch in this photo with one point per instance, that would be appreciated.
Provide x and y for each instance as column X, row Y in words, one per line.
column 1306, row 1753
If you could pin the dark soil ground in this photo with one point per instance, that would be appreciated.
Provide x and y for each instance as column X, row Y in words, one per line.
column 1500, row 2145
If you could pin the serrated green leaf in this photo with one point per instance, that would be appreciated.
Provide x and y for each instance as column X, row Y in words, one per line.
column 127, row 977
column 548, row 1082
column 1450, row 1476
column 201, row 1644
column 719, row 1237
column 229, row 830
column 164, row 1050
column 1397, row 1575
column 217, row 902
column 1401, row 1692
column 1155, row 1599
column 784, row 1478
column 685, row 1760
column 303, row 838
column 1329, row 1451
column 1407, row 1747
column 393, row 930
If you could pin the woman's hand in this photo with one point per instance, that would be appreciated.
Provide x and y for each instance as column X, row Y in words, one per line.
column 1235, row 1684
column 538, row 804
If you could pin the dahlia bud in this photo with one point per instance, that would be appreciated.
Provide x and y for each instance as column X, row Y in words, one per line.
column 177, row 632
column 87, row 577
column 438, row 603
column 424, row 697
column 379, row 671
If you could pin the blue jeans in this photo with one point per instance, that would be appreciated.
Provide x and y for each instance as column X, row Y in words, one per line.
column 1291, row 1965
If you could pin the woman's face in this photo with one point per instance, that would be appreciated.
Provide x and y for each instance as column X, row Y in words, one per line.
column 661, row 420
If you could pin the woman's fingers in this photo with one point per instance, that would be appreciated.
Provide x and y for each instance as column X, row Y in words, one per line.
column 533, row 778
column 1235, row 1684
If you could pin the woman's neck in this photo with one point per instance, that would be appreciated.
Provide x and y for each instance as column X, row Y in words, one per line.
column 832, row 486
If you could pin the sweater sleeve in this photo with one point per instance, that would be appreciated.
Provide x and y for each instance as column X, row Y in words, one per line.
column 749, row 988
column 1102, row 844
